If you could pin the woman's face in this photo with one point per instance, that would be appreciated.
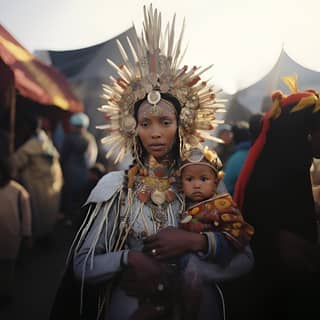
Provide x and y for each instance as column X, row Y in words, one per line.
column 157, row 128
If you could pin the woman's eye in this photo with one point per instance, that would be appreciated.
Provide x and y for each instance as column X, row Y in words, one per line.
column 144, row 124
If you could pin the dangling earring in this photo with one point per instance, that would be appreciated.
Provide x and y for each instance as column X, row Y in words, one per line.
column 137, row 150
column 181, row 144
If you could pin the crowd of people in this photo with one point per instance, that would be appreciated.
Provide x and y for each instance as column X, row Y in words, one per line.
column 190, row 230
column 41, row 186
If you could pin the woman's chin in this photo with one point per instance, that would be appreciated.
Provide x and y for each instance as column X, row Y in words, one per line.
column 159, row 155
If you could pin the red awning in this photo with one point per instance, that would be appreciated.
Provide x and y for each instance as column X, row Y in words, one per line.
column 34, row 79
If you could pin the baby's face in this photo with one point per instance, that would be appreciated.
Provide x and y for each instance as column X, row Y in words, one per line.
column 199, row 182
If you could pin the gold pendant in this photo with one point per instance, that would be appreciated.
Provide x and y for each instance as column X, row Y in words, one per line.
column 158, row 197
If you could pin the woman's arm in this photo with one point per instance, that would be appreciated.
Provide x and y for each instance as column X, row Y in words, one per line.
column 173, row 242
column 97, row 264
column 93, row 263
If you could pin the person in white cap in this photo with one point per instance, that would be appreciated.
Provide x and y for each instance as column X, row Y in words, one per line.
column 79, row 153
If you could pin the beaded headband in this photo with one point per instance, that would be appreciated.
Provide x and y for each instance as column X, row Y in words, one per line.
column 152, row 70
column 199, row 156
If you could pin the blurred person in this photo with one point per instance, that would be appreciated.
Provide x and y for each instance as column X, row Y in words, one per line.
column 79, row 153
column 315, row 180
column 15, row 222
column 224, row 150
column 96, row 172
column 255, row 125
column 274, row 192
column 39, row 171
column 242, row 143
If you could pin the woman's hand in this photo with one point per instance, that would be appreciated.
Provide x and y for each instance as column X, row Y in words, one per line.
column 171, row 242
column 142, row 276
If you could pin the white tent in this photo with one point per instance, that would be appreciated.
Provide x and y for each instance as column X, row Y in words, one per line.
column 243, row 39
column 258, row 96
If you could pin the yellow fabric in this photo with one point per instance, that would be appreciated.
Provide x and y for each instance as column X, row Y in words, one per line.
column 52, row 88
column 276, row 109
column 19, row 53
column 291, row 82
column 317, row 106
column 306, row 102
column 22, row 55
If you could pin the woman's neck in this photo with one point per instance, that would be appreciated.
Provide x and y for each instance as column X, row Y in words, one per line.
column 152, row 162
column 159, row 168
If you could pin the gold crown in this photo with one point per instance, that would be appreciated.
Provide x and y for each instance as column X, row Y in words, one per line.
column 155, row 70
column 205, row 156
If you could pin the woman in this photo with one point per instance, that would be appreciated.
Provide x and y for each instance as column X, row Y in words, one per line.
column 129, row 241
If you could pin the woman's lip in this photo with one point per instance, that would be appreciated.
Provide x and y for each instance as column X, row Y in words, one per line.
column 156, row 146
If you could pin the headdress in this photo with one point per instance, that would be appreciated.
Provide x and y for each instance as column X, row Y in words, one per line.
column 202, row 156
column 155, row 70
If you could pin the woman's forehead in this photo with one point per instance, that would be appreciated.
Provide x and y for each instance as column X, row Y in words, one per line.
column 162, row 109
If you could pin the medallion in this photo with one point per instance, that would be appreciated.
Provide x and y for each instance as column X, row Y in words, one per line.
column 154, row 97
column 158, row 197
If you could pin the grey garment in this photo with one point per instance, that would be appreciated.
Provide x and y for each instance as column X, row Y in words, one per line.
column 94, row 262
column 105, row 265
column 102, row 264
column 210, row 272
column 211, row 307
column 121, row 306
column 106, row 187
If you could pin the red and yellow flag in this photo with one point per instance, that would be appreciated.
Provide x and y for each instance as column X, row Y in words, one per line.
column 35, row 79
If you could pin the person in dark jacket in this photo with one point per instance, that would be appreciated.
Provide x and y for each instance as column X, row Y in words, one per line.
column 242, row 142
column 79, row 153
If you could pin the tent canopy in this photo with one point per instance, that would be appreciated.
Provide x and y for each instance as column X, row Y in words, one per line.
column 34, row 79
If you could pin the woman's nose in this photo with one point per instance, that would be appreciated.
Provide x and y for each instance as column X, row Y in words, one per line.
column 155, row 133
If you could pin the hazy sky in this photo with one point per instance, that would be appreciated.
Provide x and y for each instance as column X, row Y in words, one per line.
column 242, row 38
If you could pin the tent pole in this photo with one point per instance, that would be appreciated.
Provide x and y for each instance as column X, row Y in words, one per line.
column 12, row 118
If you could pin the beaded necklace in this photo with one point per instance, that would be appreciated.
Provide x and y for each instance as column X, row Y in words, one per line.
column 155, row 182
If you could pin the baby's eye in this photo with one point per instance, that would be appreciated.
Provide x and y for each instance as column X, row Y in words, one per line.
column 188, row 179
column 167, row 122
column 204, row 179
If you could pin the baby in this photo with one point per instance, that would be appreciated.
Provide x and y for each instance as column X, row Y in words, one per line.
column 214, row 215
column 201, row 172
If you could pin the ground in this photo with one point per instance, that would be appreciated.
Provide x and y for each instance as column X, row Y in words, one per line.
column 38, row 276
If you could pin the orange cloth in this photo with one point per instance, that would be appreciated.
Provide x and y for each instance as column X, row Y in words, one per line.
column 219, row 214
